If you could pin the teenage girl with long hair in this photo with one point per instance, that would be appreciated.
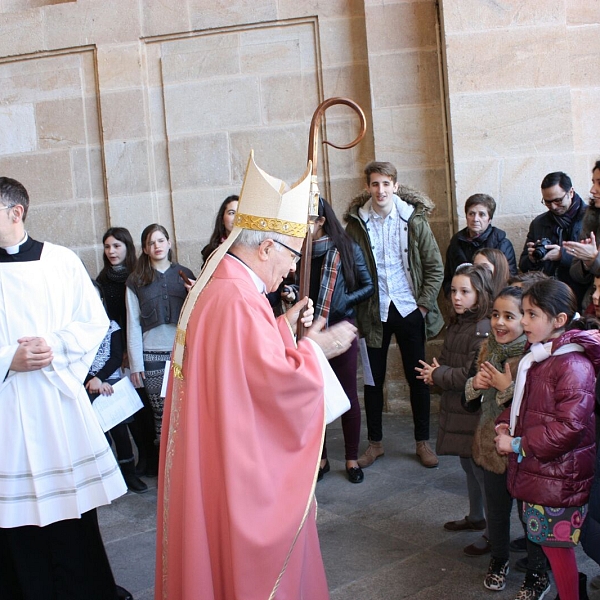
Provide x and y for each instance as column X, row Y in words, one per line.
column 155, row 295
column 340, row 280
column 223, row 225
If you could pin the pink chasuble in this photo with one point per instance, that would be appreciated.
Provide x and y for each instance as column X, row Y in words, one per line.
column 241, row 445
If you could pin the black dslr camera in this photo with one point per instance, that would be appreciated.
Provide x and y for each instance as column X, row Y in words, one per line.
column 540, row 250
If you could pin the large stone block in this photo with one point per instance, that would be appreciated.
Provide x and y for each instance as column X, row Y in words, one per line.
column 46, row 175
column 135, row 213
column 477, row 177
column 69, row 224
column 123, row 115
column 42, row 79
column 582, row 12
column 469, row 15
column 343, row 41
column 292, row 9
column 90, row 22
column 586, row 128
column 88, row 172
column 521, row 178
column 17, row 124
column 517, row 123
column 212, row 105
column 584, row 48
column 161, row 18
column 201, row 57
column 282, row 98
column 401, row 26
column 62, row 123
column 119, row 66
column 199, row 161
column 127, row 168
column 506, row 59
column 270, row 56
column 414, row 134
column 206, row 14
column 405, row 78
column 280, row 151
column 349, row 81
column 22, row 33
column 194, row 213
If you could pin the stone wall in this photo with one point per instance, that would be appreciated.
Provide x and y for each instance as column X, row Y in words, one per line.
column 521, row 100
column 126, row 112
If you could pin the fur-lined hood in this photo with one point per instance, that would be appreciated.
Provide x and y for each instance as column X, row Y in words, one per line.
column 420, row 201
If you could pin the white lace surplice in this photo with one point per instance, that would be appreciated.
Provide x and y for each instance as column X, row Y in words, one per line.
column 55, row 462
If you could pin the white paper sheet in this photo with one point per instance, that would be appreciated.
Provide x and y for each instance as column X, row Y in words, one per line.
column 165, row 381
column 336, row 401
column 364, row 357
column 114, row 409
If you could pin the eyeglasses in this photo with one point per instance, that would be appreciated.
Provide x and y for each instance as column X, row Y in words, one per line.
column 297, row 255
column 556, row 201
column 7, row 207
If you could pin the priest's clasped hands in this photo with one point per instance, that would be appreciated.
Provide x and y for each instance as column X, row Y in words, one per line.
column 32, row 354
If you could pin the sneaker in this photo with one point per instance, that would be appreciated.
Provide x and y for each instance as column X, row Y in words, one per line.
column 535, row 586
column 426, row 455
column 496, row 576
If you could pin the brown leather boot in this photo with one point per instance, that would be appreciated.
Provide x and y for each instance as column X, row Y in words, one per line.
column 426, row 455
column 372, row 453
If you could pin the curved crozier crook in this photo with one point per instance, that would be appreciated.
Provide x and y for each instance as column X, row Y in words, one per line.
column 313, row 208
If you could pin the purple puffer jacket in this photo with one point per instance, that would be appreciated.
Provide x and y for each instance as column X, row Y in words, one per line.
column 557, row 426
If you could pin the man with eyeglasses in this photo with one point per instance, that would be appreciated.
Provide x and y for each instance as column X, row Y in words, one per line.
column 560, row 223
column 244, row 417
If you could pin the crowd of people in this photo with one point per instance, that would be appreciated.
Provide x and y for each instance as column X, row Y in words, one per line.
column 517, row 376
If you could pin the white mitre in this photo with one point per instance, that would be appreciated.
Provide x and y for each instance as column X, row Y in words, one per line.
column 266, row 204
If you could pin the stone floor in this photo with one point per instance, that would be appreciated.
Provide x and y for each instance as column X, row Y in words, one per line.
column 381, row 540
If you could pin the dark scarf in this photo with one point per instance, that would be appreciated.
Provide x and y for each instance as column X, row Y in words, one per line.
column 117, row 274
column 565, row 222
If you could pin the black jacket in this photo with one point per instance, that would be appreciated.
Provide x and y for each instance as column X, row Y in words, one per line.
column 343, row 300
column 544, row 226
column 461, row 250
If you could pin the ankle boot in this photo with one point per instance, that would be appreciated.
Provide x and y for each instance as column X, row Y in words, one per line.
column 134, row 483
column 372, row 453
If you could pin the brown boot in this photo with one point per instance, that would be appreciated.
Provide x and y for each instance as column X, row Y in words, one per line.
column 372, row 453
column 426, row 455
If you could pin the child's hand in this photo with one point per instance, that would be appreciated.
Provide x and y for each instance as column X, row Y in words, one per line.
column 496, row 379
column 426, row 371
column 503, row 443
column 481, row 381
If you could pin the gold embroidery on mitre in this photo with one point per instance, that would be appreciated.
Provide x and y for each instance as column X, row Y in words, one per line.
column 270, row 224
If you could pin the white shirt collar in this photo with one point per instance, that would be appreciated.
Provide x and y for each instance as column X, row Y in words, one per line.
column 15, row 249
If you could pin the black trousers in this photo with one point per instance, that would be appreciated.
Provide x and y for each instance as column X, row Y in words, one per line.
column 65, row 560
column 410, row 337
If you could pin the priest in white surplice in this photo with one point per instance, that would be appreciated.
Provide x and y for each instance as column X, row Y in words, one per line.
column 55, row 464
